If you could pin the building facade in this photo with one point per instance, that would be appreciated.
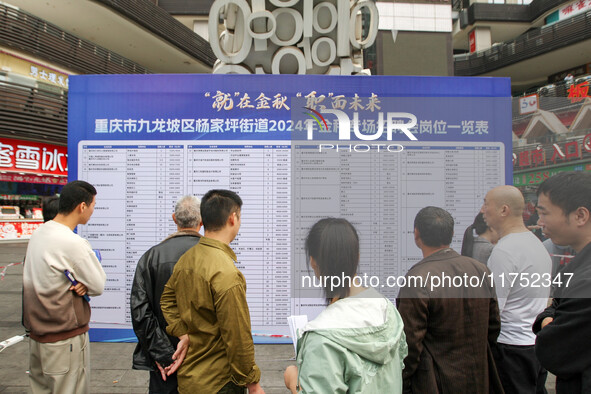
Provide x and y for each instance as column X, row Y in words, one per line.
column 41, row 45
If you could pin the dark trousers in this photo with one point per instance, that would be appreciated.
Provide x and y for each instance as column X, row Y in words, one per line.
column 159, row 386
column 232, row 388
column 519, row 369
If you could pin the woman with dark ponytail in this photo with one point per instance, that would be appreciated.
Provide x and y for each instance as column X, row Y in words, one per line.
column 481, row 246
column 357, row 344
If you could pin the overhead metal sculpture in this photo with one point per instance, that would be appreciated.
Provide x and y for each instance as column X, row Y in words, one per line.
column 291, row 37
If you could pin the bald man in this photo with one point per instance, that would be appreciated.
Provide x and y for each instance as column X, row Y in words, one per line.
column 521, row 267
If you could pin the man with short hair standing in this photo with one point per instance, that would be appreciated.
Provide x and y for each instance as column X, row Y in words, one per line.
column 55, row 312
column 519, row 261
column 563, row 343
column 155, row 349
column 50, row 207
column 205, row 301
column 449, row 329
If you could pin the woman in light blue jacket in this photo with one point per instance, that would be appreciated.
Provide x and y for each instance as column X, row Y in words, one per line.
column 357, row 344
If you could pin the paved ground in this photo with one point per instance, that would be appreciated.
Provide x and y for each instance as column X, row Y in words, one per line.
column 110, row 362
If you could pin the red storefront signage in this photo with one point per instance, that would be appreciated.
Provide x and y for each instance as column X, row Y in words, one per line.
column 472, row 39
column 33, row 159
column 552, row 153
column 18, row 230
column 574, row 8
column 27, row 178
column 578, row 92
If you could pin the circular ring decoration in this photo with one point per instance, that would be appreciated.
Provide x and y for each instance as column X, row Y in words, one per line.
column 298, row 27
column 373, row 24
column 270, row 20
column 281, row 4
column 333, row 17
column 223, row 68
column 332, row 48
column 229, row 58
column 293, row 51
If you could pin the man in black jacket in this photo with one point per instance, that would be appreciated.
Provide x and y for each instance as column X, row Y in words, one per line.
column 563, row 343
column 156, row 349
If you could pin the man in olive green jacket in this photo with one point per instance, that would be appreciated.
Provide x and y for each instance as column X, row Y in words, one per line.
column 204, row 303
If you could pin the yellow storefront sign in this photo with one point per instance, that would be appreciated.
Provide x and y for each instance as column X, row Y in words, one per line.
column 17, row 65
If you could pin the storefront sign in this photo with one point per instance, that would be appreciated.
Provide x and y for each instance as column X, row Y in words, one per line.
column 32, row 158
column 554, row 153
column 31, row 69
column 574, row 8
column 472, row 38
column 18, row 229
column 528, row 104
column 575, row 71
column 46, row 180
column 578, row 92
column 537, row 177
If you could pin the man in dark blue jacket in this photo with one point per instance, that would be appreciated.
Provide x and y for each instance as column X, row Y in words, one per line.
column 156, row 349
column 563, row 343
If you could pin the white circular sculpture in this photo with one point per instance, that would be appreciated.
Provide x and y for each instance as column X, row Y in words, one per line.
column 293, row 51
column 291, row 36
column 333, row 17
column 225, row 47
column 291, row 23
column 332, row 49
column 270, row 30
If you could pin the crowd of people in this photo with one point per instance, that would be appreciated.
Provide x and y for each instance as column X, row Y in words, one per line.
column 190, row 314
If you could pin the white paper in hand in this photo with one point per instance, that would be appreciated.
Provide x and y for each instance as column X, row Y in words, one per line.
column 296, row 325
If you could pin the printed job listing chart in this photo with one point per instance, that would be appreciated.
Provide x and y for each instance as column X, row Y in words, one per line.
column 286, row 187
column 296, row 148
